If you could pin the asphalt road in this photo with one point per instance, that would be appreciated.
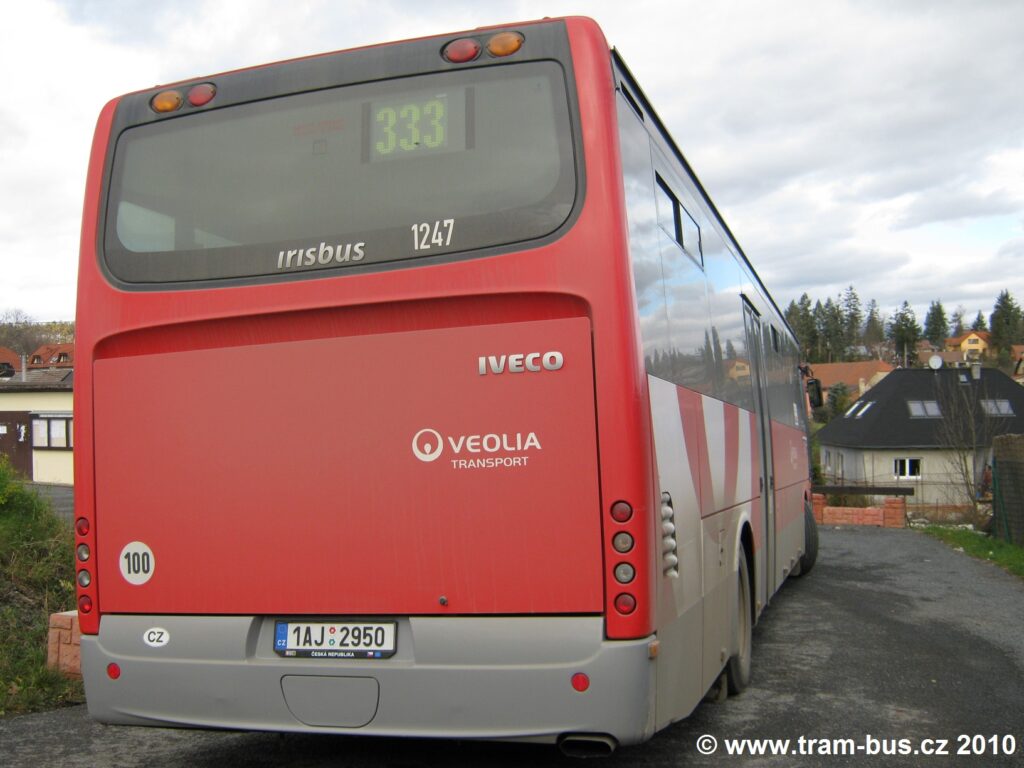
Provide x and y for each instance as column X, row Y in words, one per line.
column 892, row 637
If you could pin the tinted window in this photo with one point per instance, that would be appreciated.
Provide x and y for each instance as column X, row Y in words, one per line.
column 359, row 175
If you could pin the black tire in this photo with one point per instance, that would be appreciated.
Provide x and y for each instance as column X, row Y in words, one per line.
column 810, row 555
column 737, row 671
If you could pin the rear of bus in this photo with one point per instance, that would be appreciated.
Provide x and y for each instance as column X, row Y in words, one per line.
column 364, row 402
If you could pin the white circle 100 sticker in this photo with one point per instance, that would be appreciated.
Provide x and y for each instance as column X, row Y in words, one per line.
column 137, row 563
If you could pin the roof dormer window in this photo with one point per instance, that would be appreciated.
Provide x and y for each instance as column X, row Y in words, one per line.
column 924, row 409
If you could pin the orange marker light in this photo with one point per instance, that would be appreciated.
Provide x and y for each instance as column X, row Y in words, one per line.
column 166, row 101
column 504, row 44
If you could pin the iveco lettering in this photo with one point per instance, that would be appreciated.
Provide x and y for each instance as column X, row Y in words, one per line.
column 459, row 461
column 521, row 362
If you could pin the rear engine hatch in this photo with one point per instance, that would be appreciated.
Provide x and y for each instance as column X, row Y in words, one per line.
column 451, row 470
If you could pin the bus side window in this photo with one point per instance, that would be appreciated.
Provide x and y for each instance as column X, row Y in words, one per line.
column 644, row 235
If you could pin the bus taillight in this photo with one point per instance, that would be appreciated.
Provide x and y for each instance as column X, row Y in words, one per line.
column 468, row 49
column 172, row 99
column 625, row 603
column 621, row 512
column 580, row 682
column 462, row 50
column 202, row 94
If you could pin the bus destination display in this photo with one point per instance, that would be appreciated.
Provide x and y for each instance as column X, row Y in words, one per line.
column 417, row 124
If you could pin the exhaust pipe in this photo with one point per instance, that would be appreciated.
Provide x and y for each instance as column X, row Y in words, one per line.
column 587, row 744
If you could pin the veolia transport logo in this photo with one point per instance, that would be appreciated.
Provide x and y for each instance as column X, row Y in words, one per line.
column 493, row 450
column 427, row 444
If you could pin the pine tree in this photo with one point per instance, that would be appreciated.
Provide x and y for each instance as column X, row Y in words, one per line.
column 852, row 319
column 1007, row 323
column 828, row 322
column 979, row 323
column 904, row 332
column 874, row 329
column 801, row 320
column 936, row 329
column 956, row 322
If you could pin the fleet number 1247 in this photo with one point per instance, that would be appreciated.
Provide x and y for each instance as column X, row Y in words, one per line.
column 437, row 234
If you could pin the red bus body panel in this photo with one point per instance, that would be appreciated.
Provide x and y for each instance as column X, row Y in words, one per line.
column 282, row 477
column 181, row 447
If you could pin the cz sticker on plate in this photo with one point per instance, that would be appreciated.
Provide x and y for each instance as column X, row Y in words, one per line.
column 335, row 639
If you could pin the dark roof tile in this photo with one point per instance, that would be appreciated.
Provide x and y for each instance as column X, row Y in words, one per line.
column 888, row 422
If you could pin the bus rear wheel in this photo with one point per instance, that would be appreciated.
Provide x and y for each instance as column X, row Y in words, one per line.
column 737, row 671
column 810, row 555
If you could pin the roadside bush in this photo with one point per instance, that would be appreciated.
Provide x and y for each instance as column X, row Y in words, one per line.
column 36, row 579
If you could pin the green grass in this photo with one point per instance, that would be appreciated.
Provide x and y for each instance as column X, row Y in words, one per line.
column 981, row 546
column 36, row 573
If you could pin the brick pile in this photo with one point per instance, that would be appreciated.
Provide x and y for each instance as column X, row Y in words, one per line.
column 64, row 642
column 892, row 515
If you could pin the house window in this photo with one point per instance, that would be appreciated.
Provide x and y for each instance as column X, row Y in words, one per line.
column 997, row 407
column 858, row 409
column 53, row 432
column 924, row 409
column 907, row 469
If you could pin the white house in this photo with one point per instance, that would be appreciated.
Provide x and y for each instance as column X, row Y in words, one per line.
column 931, row 430
column 37, row 432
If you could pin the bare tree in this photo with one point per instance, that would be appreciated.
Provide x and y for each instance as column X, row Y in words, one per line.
column 20, row 332
column 965, row 433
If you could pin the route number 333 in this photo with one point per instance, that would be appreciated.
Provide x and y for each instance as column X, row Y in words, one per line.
column 412, row 126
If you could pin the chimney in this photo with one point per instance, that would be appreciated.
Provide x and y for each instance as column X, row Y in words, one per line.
column 976, row 371
column 24, row 367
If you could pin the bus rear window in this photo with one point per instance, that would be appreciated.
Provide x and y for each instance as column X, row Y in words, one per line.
column 360, row 175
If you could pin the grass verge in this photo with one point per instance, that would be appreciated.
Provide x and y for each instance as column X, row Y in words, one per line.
column 1007, row 556
column 36, row 579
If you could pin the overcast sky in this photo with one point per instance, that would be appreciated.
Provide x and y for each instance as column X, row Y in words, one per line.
column 878, row 144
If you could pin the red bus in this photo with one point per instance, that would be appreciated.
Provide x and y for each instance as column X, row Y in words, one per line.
column 426, row 393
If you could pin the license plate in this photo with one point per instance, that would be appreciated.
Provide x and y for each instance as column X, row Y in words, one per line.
column 335, row 639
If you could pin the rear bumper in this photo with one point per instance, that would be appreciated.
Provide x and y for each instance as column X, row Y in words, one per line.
column 489, row 678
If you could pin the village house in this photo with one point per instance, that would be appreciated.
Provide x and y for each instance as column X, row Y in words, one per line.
column 36, row 424
column 929, row 430
column 858, row 377
column 971, row 345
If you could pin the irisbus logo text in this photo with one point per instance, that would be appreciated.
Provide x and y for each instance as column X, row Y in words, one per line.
column 484, row 451
column 324, row 254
